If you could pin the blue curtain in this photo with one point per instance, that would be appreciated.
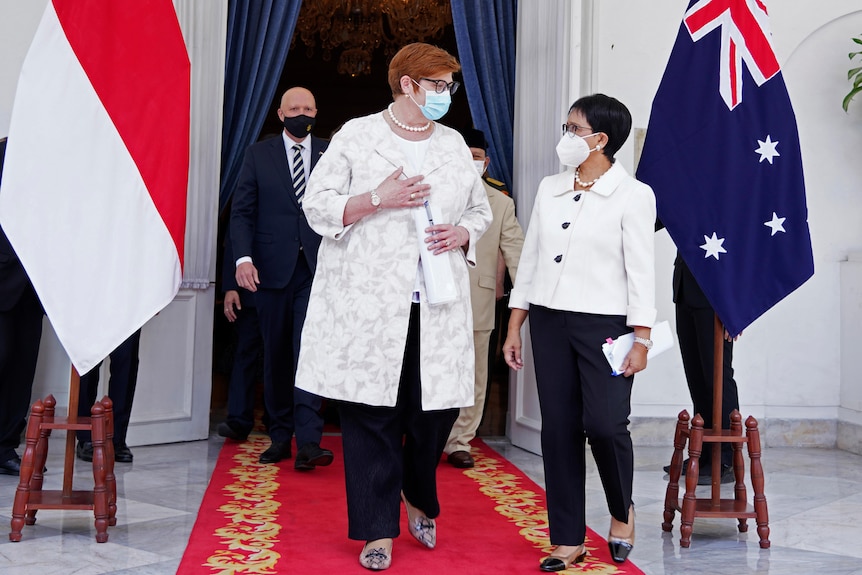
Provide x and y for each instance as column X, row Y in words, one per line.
column 485, row 33
column 258, row 38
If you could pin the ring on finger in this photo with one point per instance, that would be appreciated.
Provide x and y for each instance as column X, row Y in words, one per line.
column 447, row 243
column 412, row 196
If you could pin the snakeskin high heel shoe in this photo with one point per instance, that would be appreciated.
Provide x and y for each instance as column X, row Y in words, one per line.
column 422, row 528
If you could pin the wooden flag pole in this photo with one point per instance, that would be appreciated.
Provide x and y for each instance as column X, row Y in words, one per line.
column 717, row 406
column 69, row 461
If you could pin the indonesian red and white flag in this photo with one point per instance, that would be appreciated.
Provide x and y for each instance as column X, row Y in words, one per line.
column 94, row 187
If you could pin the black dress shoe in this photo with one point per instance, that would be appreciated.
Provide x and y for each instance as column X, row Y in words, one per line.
column 684, row 467
column 123, row 454
column 461, row 459
column 310, row 456
column 277, row 451
column 705, row 476
column 84, row 451
column 225, row 429
column 11, row 466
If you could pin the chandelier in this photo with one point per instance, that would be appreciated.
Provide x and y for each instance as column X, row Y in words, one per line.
column 359, row 27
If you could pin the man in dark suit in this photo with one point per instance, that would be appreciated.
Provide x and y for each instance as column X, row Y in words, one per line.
column 121, row 389
column 695, row 328
column 276, row 254
column 239, row 309
column 20, row 332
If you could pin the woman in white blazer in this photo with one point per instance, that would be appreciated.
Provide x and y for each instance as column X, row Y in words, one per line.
column 586, row 274
column 398, row 366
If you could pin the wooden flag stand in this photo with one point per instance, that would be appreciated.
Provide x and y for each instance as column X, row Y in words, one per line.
column 30, row 497
column 696, row 436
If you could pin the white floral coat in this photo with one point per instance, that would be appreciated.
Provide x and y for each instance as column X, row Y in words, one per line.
column 356, row 327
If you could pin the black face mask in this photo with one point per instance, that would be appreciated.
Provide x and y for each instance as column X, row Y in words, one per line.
column 299, row 126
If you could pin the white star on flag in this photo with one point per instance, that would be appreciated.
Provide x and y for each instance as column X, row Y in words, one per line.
column 767, row 149
column 713, row 246
column 777, row 224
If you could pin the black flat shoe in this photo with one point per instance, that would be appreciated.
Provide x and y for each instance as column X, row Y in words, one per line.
column 277, row 451
column 310, row 456
column 552, row 563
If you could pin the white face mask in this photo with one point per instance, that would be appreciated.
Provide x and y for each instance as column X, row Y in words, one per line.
column 480, row 166
column 573, row 151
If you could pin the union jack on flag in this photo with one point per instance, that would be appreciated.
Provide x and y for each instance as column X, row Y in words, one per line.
column 722, row 156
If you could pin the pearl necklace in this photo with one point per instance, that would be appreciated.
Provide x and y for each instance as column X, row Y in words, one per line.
column 585, row 184
column 405, row 126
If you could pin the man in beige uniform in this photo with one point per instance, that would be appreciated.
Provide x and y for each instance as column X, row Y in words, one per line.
column 501, row 242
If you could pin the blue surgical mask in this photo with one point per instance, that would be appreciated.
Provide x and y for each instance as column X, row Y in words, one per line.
column 436, row 105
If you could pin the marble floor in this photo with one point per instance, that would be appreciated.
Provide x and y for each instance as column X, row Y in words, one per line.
column 814, row 497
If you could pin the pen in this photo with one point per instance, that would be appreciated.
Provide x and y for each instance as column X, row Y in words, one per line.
column 428, row 213
column 429, row 216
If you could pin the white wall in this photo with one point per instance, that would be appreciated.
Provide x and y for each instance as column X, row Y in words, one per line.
column 789, row 362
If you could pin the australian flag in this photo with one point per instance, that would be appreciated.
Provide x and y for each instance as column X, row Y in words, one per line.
column 722, row 156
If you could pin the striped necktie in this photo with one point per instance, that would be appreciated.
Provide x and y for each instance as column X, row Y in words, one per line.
column 298, row 173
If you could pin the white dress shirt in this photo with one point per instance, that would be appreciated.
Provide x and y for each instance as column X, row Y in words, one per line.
column 305, row 153
column 594, row 255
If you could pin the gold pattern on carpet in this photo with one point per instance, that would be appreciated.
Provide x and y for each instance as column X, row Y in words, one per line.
column 526, row 509
column 251, row 515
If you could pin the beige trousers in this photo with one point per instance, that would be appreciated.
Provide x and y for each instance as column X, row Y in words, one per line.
column 469, row 418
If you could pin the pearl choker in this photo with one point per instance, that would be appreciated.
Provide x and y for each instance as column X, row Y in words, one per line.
column 585, row 184
column 405, row 126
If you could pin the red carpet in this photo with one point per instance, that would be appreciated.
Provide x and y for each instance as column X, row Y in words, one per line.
column 266, row 519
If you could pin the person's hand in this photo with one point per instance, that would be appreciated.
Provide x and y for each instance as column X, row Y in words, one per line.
column 232, row 304
column 446, row 237
column 731, row 339
column 246, row 276
column 635, row 361
column 398, row 193
column 512, row 350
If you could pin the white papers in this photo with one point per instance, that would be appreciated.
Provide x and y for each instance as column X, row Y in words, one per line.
column 616, row 350
column 437, row 270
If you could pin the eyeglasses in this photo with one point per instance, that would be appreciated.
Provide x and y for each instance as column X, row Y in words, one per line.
column 571, row 130
column 441, row 86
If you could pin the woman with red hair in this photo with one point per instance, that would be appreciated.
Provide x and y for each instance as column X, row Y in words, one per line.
column 398, row 363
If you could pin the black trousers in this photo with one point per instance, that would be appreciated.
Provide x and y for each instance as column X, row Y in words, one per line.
column 580, row 400
column 20, row 334
column 281, row 314
column 695, row 330
column 121, row 388
column 241, row 388
column 388, row 450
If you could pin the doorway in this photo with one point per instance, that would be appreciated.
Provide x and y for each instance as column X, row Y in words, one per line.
column 340, row 97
